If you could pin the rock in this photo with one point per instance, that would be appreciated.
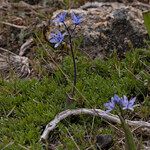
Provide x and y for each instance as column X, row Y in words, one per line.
column 109, row 26
column 104, row 142
column 12, row 63
column 32, row 2
column 52, row 3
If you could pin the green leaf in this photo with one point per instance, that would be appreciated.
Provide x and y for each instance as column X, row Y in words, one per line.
column 146, row 16
column 129, row 141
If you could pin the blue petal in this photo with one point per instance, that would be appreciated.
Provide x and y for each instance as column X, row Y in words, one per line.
column 131, row 102
column 125, row 108
column 60, row 17
column 107, row 111
column 63, row 15
column 59, row 34
column 53, row 40
column 56, row 45
column 131, row 108
column 121, row 102
column 110, row 105
column 56, row 38
column 52, row 34
column 73, row 15
column 125, row 101
column 56, row 20
column 106, row 105
column 116, row 98
column 76, row 19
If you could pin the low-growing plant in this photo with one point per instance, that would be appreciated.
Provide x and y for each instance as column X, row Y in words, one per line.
column 146, row 16
column 121, row 104
column 27, row 105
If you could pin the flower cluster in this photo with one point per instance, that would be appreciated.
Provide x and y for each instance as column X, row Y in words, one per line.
column 123, row 103
column 60, row 18
column 76, row 19
column 56, row 38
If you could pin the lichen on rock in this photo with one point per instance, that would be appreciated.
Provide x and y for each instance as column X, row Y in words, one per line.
column 109, row 26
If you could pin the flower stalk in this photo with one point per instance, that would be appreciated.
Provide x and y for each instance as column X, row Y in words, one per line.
column 74, row 65
column 73, row 57
column 59, row 37
column 129, row 140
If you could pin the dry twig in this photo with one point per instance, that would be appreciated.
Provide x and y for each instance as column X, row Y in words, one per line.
column 25, row 46
column 134, row 4
column 24, row 5
column 95, row 112
column 13, row 25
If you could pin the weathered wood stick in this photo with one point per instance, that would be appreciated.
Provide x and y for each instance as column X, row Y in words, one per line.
column 95, row 112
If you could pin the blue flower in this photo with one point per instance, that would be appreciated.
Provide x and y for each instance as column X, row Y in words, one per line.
column 56, row 38
column 116, row 99
column 128, row 104
column 110, row 105
column 60, row 18
column 76, row 19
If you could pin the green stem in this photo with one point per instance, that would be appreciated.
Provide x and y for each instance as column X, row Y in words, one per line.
column 129, row 141
column 73, row 58
column 75, row 68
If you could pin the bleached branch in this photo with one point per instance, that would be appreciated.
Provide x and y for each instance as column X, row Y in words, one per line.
column 13, row 25
column 95, row 112
column 25, row 46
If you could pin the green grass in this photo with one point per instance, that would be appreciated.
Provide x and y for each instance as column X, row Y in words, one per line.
column 28, row 105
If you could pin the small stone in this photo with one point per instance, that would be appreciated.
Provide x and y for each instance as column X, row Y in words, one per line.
column 104, row 142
